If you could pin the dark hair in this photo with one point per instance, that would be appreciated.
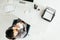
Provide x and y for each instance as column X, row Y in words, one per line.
column 9, row 33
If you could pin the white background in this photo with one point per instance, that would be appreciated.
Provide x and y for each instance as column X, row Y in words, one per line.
column 40, row 29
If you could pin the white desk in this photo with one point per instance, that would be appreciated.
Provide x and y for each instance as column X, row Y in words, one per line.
column 40, row 29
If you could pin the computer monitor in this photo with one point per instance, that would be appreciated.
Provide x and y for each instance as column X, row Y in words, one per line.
column 29, row 0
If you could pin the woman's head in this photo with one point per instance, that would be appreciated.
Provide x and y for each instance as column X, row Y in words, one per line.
column 9, row 33
column 13, row 31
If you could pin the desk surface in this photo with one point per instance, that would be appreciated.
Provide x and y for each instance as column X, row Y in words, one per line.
column 40, row 29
